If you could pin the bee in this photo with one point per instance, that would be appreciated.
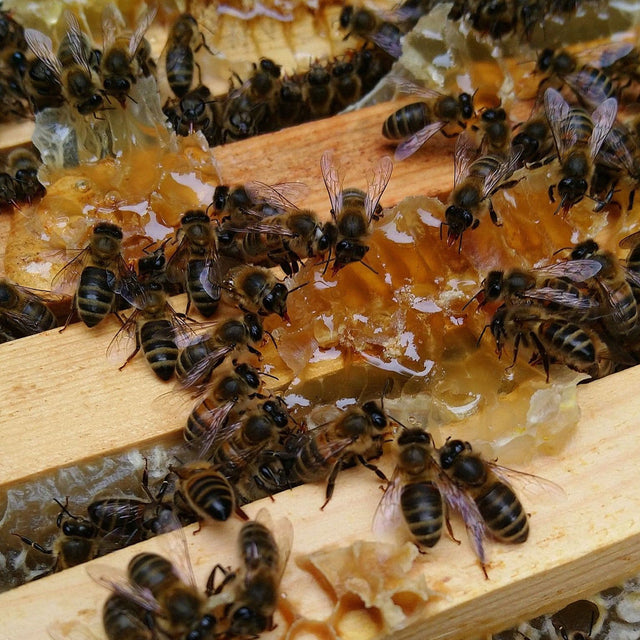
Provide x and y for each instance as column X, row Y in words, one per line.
column 318, row 91
column 77, row 541
column 79, row 81
column 475, row 181
column 242, row 117
column 534, row 141
column 43, row 78
column 133, row 519
column 352, row 210
column 257, row 289
column 576, row 620
column 183, row 42
column 358, row 432
column 290, row 103
column 486, row 485
column 206, row 492
column 195, row 262
column 578, row 138
column 551, row 286
column 373, row 26
column 415, row 123
column 199, row 358
column 11, row 32
column 496, row 132
column 195, row 111
column 574, row 345
column 100, row 273
column 613, row 281
column 263, row 90
column 248, row 598
column 347, row 84
column 125, row 57
column 414, row 489
column 24, row 311
column 8, row 190
column 124, row 619
column 204, row 420
column 23, row 164
column 372, row 64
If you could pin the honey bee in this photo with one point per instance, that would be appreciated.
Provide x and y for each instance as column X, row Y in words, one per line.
column 475, row 181
column 347, row 84
column 318, row 91
column 613, row 281
column 183, row 42
column 415, row 123
column 195, row 262
column 496, row 132
column 551, row 286
column 414, row 490
column 257, row 289
column 125, row 57
column 263, row 90
column 373, row 26
column 578, row 138
column 290, row 103
column 198, row 359
column 242, row 116
column 43, row 77
column 551, row 337
column 11, row 31
column 23, row 164
column 133, row 519
column 100, row 273
column 8, row 190
column 124, row 619
column 534, row 140
column 577, row 620
column 77, row 541
column 206, row 492
column 352, row 210
column 358, row 432
column 195, row 111
column 248, row 598
column 79, row 81
column 24, row 311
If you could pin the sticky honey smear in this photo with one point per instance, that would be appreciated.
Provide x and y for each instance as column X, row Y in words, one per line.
column 367, row 603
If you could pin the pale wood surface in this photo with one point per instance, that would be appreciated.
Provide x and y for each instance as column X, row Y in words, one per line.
column 579, row 543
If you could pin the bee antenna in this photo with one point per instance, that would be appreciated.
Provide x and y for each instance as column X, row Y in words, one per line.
column 268, row 375
column 368, row 266
column 304, row 284
column 64, row 506
column 404, row 426
column 476, row 296
column 486, row 326
column 555, row 253
column 272, row 339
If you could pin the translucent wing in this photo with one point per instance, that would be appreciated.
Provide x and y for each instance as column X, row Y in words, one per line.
column 603, row 118
column 282, row 532
column 66, row 280
column 592, row 93
column 557, row 111
column 177, row 265
column 141, row 29
column 42, row 48
column 215, row 432
column 631, row 241
column 411, row 88
column 575, row 270
column 615, row 151
column 210, row 276
column 279, row 195
column 381, row 177
column 613, row 54
column 411, row 144
column 111, row 22
column 504, row 170
column 123, row 342
column 76, row 40
column 388, row 514
column 631, row 276
column 528, row 483
column 197, row 375
column 176, row 550
column 332, row 182
column 388, row 42
column 563, row 298
column 463, row 155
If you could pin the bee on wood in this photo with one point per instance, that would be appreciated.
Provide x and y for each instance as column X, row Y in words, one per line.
column 257, row 289
column 242, row 117
column 347, row 84
column 198, row 359
column 99, row 274
column 124, row 619
column 195, row 262
column 353, row 210
column 415, row 123
column 77, row 541
column 125, row 57
column 247, row 598
column 578, row 137
column 24, row 311
column 476, row 180
column 357, row 433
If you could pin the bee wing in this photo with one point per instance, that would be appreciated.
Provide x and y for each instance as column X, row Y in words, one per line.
column 177, row 265
column 411, row 144
column 582, row 82
column 617, row 153
column 388, row 514
column 193, row 377
column 464, row 154
column 210, row 276
column 505, row 169
column 42, row 48
column 603, row 118
column 216, row 431
column 458, row 500
column 613, row 54
column 111, row 22
column 411, row 88
column 278, row 195
column 66, row 279
column 282, row 532
column 183, row 334
column 557, row 110
column 176, row 549
column 121, row 345
column 76, row 40
column 381, row 176
column 575, row 270
column 528, row 483
column 388, row 43
column 265, row 227
column 632, row 277
column 332, row 182
column 117, row 582
column 631, row 241
column 141, row 29
column 563, row 298
column 127, row 285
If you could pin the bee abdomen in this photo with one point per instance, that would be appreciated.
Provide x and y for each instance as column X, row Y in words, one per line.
column 199, row 420
column 150, row 571
column 41, row 314
column 311, row 463
column 258, row 546
column 205, row 304
column 95, row 299
column 213, row 496
column 570, row 341
column 503, row 514
column 156, row 338
column 422, row 509
column 406, row 121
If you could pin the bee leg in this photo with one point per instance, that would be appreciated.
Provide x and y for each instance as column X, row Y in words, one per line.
column 71, row 313
column 493, row 214
column 31, row 543
column 543, row 354
column 373, row 468
column 632, row 195
column 331, row 483
column 448, row 135
column 241, row 513
column 450, row 529
column 551, row 193
column 228, row 575
column 131, row 356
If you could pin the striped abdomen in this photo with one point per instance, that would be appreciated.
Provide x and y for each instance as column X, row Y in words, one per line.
column 407, row 120
column 159, row 346
column 203, row 302
column 313, row 461
column 180, row 66
column 258, row 546
column 123, row 619
column 502, row 512
column 95, row 299
column 39, row 314
column 422, row 509
column 210, row 495
column 567, row 342
column 151, row 571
